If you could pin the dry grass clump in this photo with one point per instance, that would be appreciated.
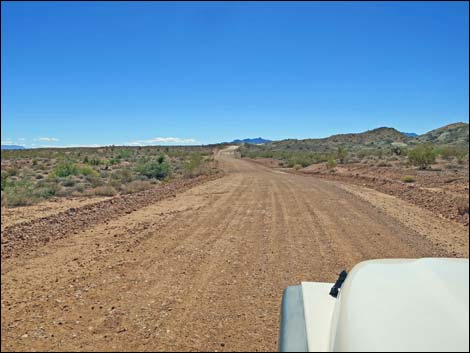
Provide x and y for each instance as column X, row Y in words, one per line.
column 408, row 179
column 104, row 190
column 136, row 186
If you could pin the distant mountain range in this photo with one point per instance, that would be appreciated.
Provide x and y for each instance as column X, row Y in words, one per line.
column 410, row 134
column 252, row 141
column 12, row 147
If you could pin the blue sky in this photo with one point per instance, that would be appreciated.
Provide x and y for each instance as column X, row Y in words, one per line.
column 143, row 72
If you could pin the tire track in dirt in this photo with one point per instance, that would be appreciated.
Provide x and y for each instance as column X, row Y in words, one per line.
column 215, row 275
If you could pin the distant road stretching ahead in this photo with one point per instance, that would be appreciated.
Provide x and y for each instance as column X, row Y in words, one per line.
column 204, row 270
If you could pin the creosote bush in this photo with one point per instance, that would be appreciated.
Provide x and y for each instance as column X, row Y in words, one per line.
column 65, row 169
column 422, row 156
column 158, row 168
column 331, row 163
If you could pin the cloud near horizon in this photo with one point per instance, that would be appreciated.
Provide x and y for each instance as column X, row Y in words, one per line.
column 47, row 139
column 163, row 140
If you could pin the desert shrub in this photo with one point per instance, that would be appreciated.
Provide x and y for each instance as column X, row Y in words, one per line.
column 399, row 150
column 297, row 167
column 94, row 161
column 12, row 171
column 4, row 199
column 79, row 188
column 4, row 180
column 104, row 190
column 39, row 176
column 462, row 206
column 341, row 154
column 20, row 193
column 292, row 158
column 408, row 179
column 192, row 167
column 49, row 190
column 124, row 154
column 122, row 175
column 450, row 152
column 69, row 181
column 87, row 171
column 94, row 180
column 136, row 186
column 158, row 168
column 114, row 160
column 64, row 192
column 64, row 169
column 331, row 163
column 422, row 156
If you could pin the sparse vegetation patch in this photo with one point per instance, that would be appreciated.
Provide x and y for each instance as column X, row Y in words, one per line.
column 29, row 176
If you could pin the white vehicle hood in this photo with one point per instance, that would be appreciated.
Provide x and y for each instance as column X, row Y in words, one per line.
column 403, row 305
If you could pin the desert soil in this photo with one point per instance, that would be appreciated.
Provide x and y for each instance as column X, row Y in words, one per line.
column 205, row 269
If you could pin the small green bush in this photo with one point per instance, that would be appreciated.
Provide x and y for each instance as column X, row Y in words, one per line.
column 114, row 160
column 94, row 161
column 94, row 180
column 331, row 163
column 341, row 154
column 449, row 152
column 158, row 169
column 65, row 169
column 122, row 175
column 69, row 181
column 87, row 171
column 192, row 166
column 124, row 154
column 20, row 193
column 4, row 180
column 79, row 188
column 422, row 156
column 408, row 179
column 47, row 191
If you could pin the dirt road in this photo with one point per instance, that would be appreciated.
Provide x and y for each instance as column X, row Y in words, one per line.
column 205, row 270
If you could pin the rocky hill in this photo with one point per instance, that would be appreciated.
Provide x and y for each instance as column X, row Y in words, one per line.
column 376, row 138
column 453, row 134
column 382, row 138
